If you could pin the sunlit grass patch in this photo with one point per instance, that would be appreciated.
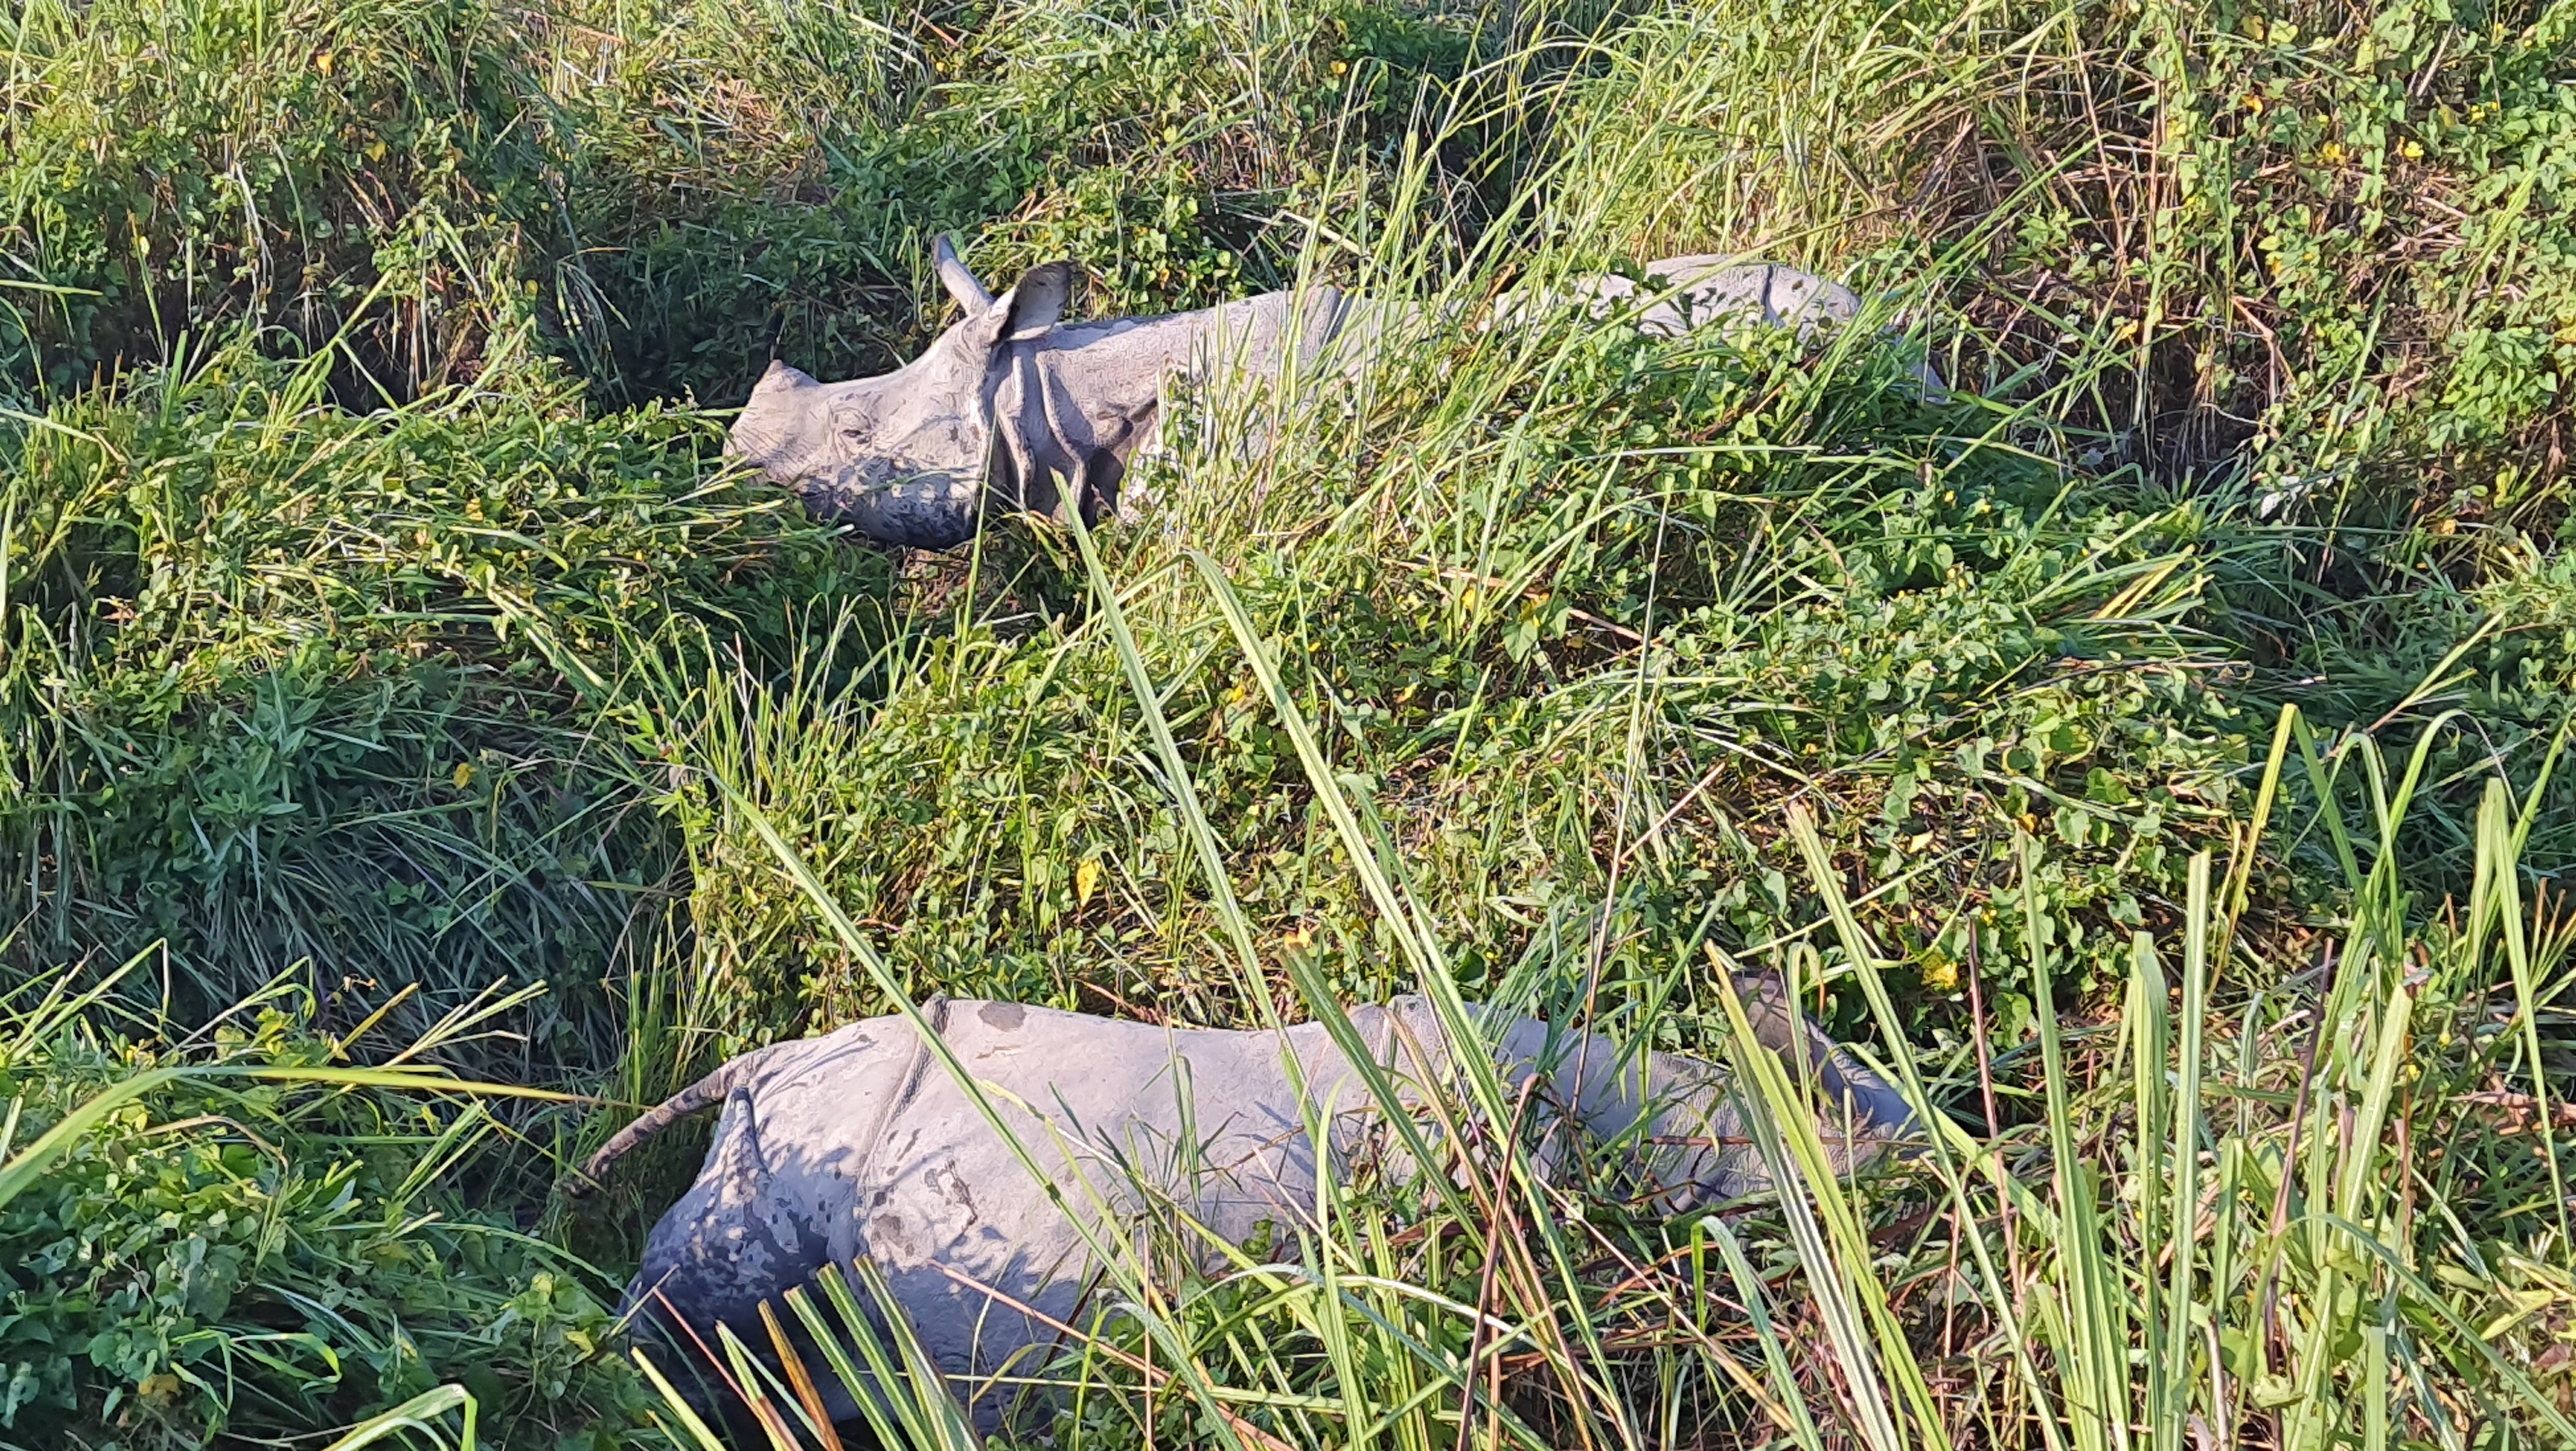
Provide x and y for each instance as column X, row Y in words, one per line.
column 250, row 1226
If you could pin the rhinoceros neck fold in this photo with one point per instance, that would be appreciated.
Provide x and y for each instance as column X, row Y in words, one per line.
column 1071, row 406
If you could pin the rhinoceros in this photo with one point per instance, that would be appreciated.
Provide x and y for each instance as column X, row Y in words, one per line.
column 862, row 1145
column 1012, row 399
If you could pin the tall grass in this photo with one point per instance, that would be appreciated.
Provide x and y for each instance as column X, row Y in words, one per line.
column 364, row 621
column 285, row 685
column 2234, row 1208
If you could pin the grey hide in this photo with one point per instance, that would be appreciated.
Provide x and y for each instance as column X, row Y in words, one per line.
column 860, row 1144
column 1012, row 399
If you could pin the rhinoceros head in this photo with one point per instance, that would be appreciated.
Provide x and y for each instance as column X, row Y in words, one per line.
column 902, row 456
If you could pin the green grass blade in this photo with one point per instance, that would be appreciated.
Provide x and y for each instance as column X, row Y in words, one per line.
column 1822, row 1226
column 423, row 1414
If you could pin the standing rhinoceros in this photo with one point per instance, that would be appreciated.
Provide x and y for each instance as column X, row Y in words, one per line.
column 1012, row 399
column 861, row 1144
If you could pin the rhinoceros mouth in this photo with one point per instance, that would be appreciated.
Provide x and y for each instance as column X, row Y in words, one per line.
column 913, row 508
column 891, row 500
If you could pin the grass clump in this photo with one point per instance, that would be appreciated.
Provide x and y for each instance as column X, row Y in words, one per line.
column 2322, row 238
column 666, row 191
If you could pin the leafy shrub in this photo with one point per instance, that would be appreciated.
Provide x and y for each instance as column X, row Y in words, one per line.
column 235, row 1253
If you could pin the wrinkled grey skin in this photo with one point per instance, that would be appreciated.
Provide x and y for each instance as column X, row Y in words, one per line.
column 861, row 1145
column 1012, row 399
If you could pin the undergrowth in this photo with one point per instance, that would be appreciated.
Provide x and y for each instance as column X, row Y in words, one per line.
column 385, row 647
column 234, row 1226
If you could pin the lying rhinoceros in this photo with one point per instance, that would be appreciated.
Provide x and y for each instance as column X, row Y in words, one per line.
column 860, row 1144
column 1012, row 399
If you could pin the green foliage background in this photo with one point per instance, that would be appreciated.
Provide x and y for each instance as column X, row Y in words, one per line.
column 377, row 619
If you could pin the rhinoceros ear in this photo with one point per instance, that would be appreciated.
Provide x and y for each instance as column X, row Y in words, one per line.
column 1033, row 305
column 780, row 375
